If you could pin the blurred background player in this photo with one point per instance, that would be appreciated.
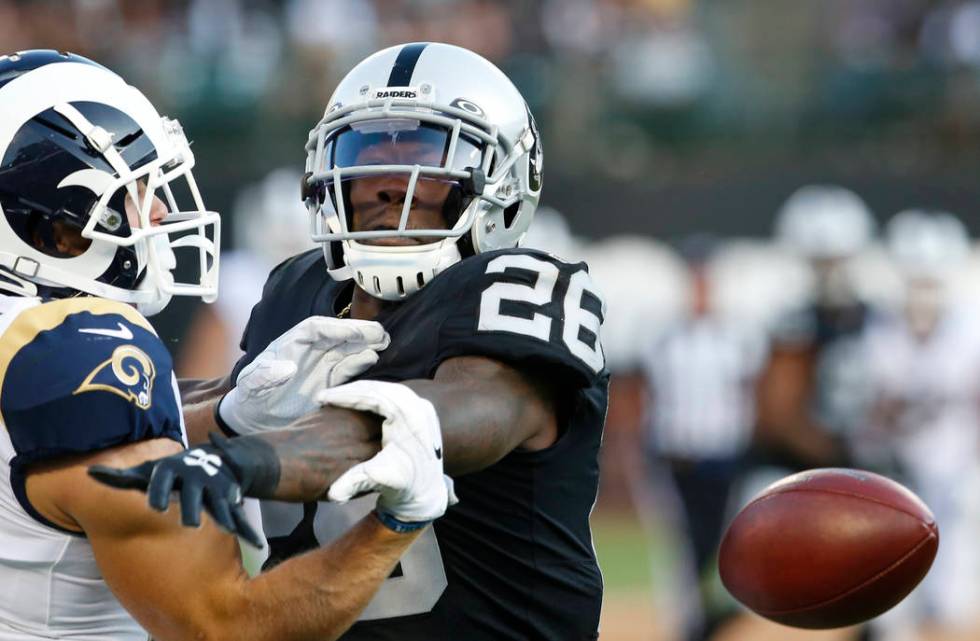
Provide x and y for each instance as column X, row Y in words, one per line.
column 701, row 374
column 268, row 225
column 924, row 374
column 811, row 392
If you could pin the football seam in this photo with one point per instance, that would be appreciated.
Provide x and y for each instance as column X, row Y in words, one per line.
column 866, row 582
column 850, row 494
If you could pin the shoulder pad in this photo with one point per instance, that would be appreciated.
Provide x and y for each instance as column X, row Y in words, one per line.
column 522, row 305
column 82, row 374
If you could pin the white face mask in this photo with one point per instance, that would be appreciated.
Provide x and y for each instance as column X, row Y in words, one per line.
column 156, row 280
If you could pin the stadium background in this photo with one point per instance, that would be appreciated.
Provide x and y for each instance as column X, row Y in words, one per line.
column 659, row 117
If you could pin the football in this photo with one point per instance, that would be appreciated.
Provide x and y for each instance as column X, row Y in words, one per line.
column 828, row 548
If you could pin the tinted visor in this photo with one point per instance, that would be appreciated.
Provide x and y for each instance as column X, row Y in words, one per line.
column 400, row 141
column 392, row 148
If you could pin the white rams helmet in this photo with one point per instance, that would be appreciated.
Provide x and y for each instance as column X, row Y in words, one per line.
column 446, row 98
column 81, row 149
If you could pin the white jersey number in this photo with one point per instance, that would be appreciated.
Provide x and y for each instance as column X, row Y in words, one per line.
column 576, row 317
column 415, row 590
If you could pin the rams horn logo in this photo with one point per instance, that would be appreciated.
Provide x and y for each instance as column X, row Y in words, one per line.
column 97, row 182
column 129, row 373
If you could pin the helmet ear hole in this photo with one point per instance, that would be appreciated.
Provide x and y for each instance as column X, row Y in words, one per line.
column 337, row 253
column 511, row 213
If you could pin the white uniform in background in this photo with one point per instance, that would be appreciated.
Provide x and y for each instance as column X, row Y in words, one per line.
column 702, row 375
column 934, row 385
column 269, row 224
column 925, row 375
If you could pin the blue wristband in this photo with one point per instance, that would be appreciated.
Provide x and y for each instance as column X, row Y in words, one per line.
column 396, row 525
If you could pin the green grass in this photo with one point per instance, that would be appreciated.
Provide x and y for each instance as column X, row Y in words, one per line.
column 627, row 554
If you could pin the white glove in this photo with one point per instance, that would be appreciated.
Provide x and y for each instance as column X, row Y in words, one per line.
column 408, row 470
column 281, row 384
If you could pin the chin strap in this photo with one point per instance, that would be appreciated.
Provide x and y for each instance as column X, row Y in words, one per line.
column 31, row 272
column 10, row 282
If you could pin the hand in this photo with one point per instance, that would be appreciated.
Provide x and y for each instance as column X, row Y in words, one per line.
column 408, row 471
column 280, row 385
column 203, row 476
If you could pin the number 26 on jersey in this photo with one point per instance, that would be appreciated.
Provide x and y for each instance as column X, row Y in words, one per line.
column 581, row 309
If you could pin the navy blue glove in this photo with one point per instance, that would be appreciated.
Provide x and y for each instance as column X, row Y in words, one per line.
column 213, row 477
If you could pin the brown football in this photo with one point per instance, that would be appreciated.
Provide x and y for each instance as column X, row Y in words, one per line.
column 828, row 548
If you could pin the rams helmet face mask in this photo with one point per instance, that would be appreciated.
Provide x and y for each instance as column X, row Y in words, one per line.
column 80, row 149
column 437, row 127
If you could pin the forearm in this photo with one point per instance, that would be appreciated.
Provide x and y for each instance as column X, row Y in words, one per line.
column 316, row 595
column 198, row 398
column 317, row 451
column 196, row 390
column 478, row 429
column 482, row 420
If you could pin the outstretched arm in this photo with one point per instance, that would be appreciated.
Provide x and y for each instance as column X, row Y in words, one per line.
column 784, row 398
column 182, row 583
column 483, row 409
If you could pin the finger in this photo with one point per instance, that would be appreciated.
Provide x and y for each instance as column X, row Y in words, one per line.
column 371, row 333
column 357, row 395
column 451, row 489
column 351, row 483
column 219, row 509
column 321, row 332
column 132, row 478
column 161, row 484
column 191, row 498
column 268, row 375
column 327, row 333
column 351, row 366
column 391, row 468
column 243, row 528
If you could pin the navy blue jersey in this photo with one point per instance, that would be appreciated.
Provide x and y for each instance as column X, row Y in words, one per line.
column 516, row 553
column 79, row 375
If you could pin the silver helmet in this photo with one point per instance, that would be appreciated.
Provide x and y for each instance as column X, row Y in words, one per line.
column 433, row 118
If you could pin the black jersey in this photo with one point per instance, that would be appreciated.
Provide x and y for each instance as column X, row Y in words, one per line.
column 514, row 559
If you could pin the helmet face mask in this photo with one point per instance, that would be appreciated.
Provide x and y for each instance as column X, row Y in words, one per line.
column 111, row 172
column 375, row 163
column 432, row 147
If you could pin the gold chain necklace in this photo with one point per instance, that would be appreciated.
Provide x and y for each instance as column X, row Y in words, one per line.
column 345, row 312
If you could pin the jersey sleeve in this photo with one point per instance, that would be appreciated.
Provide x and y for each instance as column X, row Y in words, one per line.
column 527, row 308
column 83, row 374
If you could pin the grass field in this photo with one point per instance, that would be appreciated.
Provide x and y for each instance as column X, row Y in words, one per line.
column 629, row 558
